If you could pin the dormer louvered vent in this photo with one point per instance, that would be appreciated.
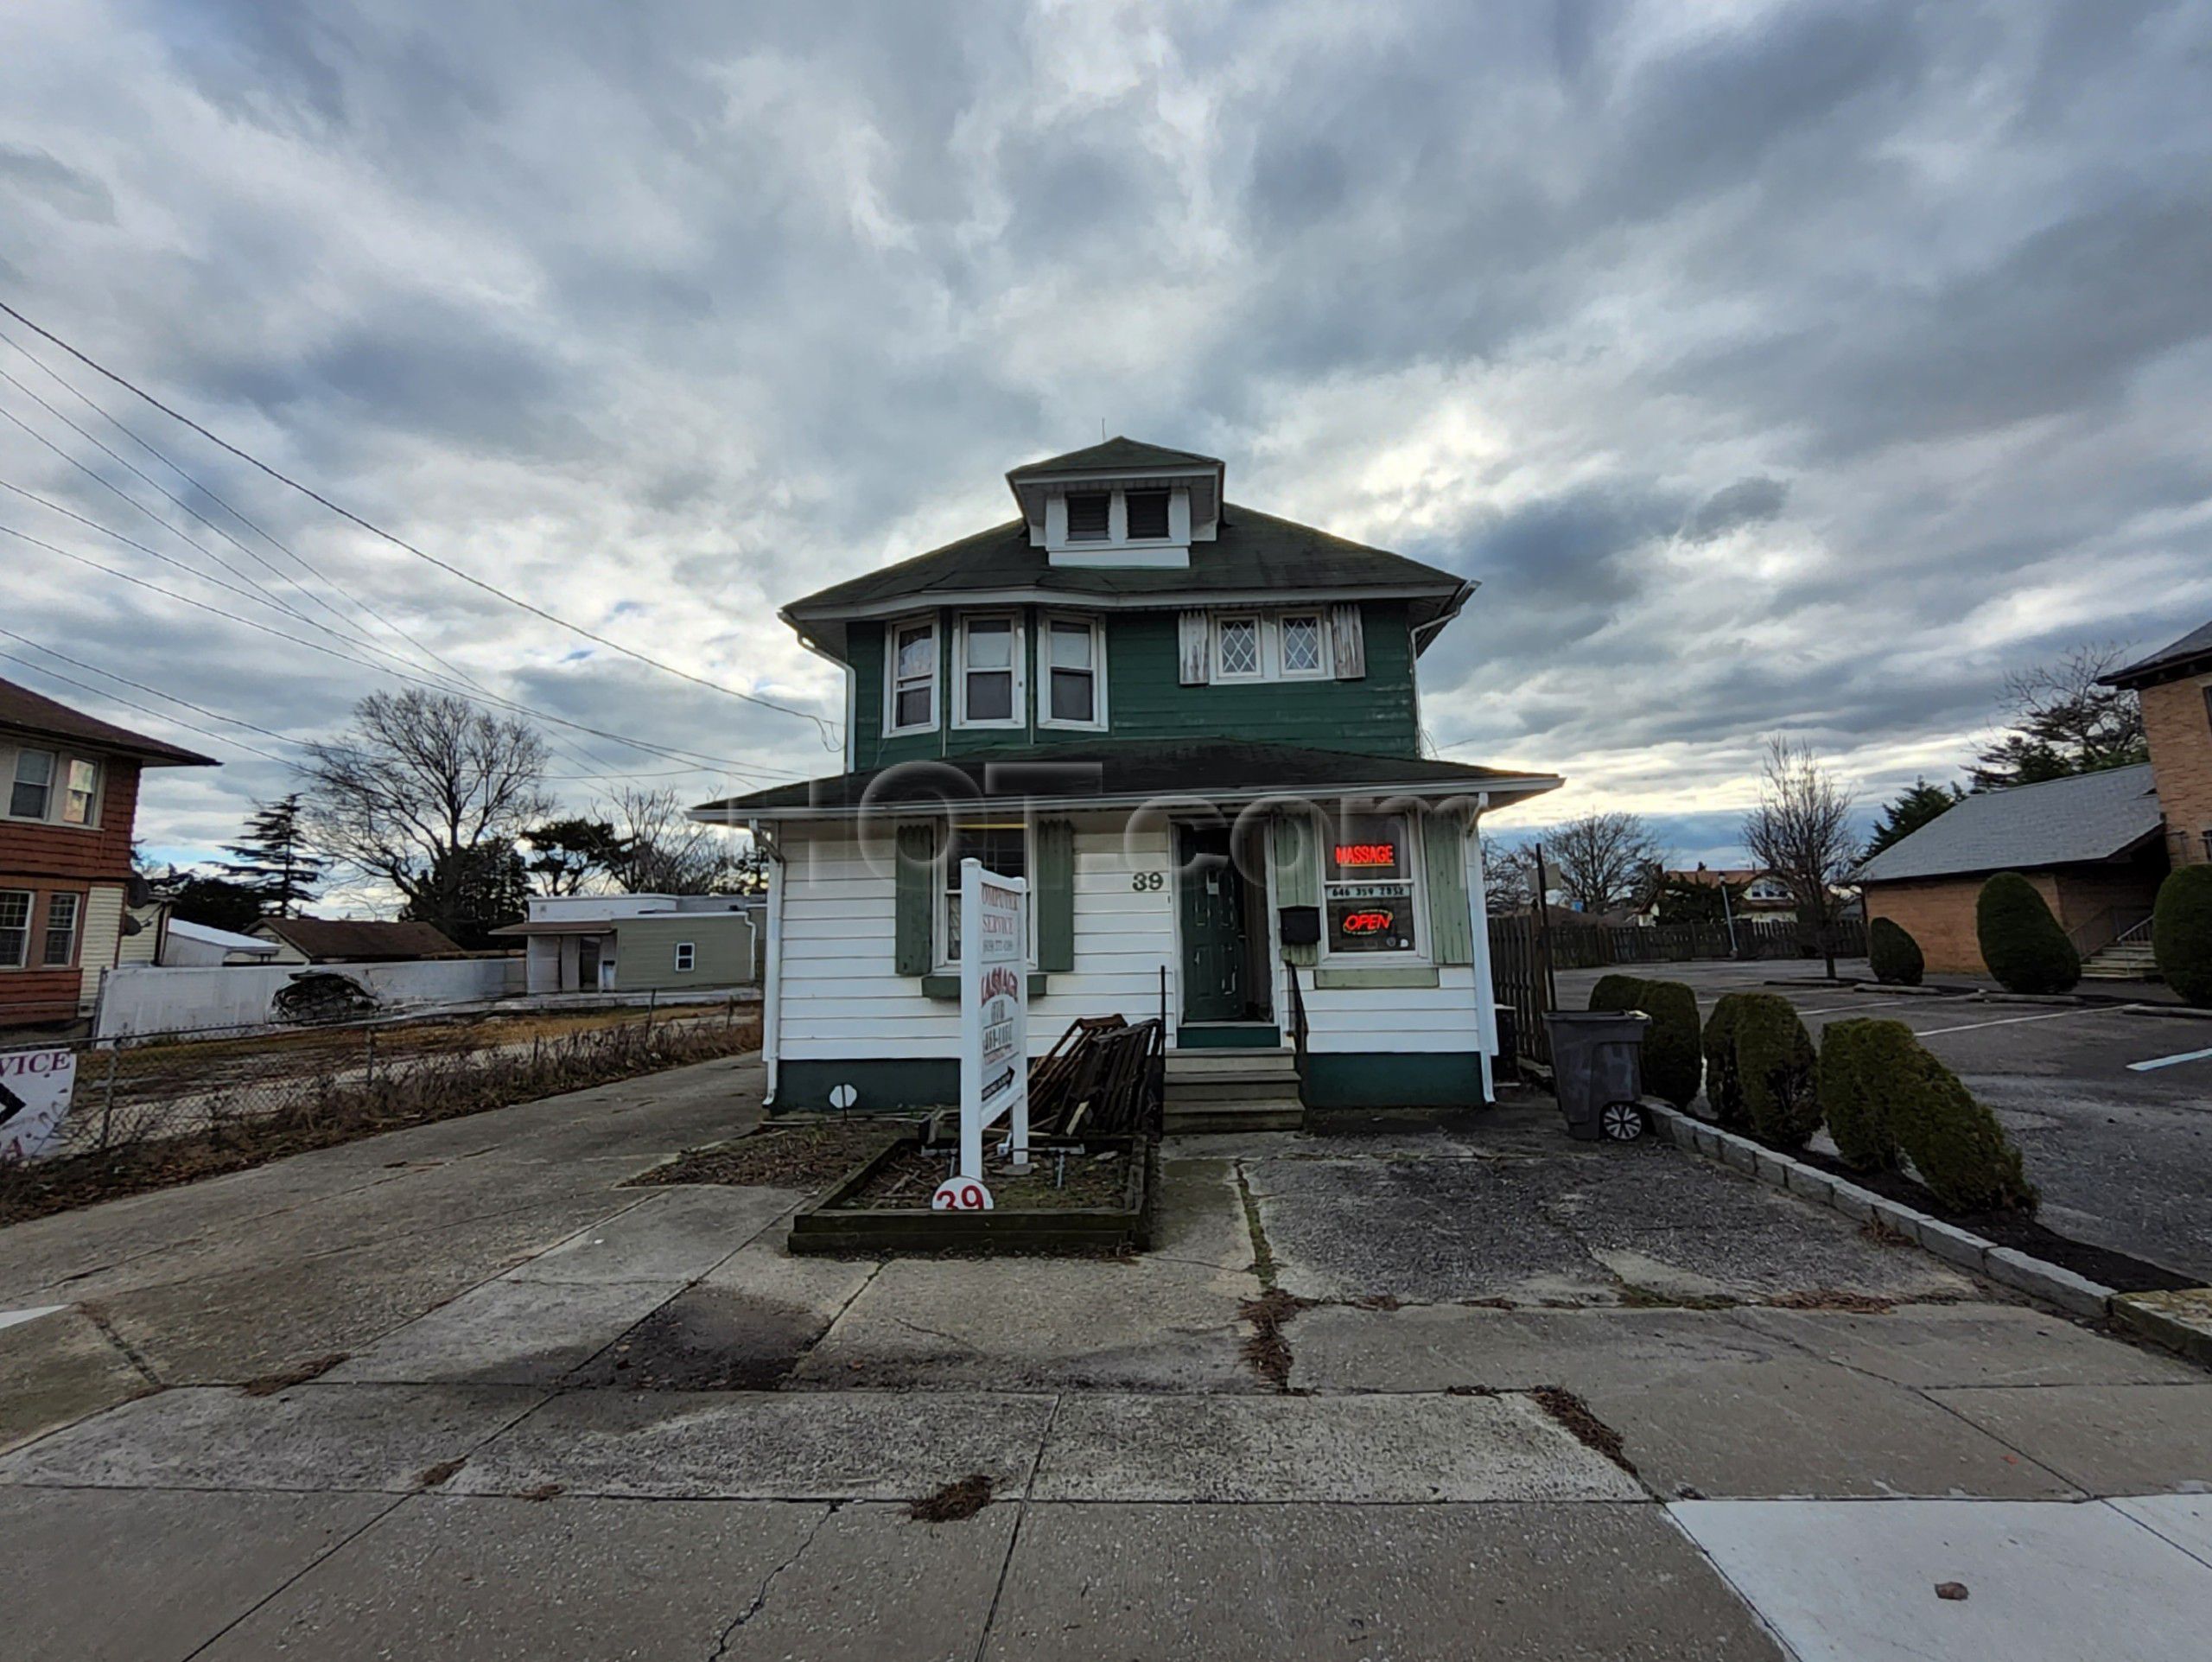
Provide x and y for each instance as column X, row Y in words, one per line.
column 1090, row 517
column 1148, row 512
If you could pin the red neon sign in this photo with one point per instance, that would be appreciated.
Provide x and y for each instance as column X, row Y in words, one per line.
column 1365, row 923
column 1366, row 854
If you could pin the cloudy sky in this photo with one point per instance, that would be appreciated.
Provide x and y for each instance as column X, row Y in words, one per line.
column 1775, row 367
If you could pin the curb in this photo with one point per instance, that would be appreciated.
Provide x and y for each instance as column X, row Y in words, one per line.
column 2180, row 1321
column 2077, row 1294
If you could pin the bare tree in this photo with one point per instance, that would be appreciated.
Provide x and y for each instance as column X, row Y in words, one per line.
column 2064, row 721
column 1801, row 832
column 661, row 850
column 427, row 792
column 1603, row 861
column 1509, row 878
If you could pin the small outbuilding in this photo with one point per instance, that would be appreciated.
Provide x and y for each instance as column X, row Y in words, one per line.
column 639, row 943
column 353, row 940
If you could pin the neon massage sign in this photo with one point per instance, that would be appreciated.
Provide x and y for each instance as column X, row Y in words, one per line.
column 1355, row 854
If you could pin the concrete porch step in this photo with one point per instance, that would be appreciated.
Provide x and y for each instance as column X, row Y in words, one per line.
column 1235, row 1064
column 1202, row 1119
column 1223, row 1089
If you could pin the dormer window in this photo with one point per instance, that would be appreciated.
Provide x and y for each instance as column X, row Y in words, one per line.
column 1148, row 512
column 1090, row 517
column 914, row 676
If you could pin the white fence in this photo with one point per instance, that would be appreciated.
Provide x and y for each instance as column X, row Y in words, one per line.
column 143, row 998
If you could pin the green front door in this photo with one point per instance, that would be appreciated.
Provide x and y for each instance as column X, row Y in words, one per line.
column 1213, row 927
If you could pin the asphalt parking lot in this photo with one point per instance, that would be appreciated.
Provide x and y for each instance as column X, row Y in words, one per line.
column 2122, row 1151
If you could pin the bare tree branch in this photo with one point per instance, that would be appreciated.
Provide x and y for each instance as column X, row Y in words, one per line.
column 1801, row 832
column 1605, row 861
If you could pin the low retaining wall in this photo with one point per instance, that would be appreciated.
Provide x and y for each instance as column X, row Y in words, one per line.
column 139, row 999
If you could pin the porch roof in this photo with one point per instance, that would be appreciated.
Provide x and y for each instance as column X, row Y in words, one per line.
column 1105, row 774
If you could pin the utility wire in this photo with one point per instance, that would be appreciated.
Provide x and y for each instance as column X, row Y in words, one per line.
column 114, row 697
column 821, row 725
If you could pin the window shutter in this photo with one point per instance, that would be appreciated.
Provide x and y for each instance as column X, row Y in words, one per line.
column 1444, row 849
column 916, row 848
column 1350, row 641
column 1193, row 634
column 1297, row 875
column 1055, row 893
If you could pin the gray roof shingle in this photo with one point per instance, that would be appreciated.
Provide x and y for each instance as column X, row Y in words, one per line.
column 1115, row 455
column 24, row 711
column 2086, row 820
column 2191, row 649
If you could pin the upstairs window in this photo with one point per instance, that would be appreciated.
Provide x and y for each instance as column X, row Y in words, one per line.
column 1368, row 886
column 1237, row 649
column 1303, row 652
column 1148, row 512
column 989, row 670
column 914, row 676
column 15, row 927
column 1074, row 653
column 33, row 795
column 1090, row 517
column 77, row 802
column 61, row 914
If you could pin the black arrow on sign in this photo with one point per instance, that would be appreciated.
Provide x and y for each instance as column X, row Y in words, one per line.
column 11, row 1104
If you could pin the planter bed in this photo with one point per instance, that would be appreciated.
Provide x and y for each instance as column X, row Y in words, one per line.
column 882, row 1205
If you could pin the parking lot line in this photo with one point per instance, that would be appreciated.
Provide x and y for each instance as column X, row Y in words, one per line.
column 1836, row 1009
column 2008, row 1021
column 2168, row 1061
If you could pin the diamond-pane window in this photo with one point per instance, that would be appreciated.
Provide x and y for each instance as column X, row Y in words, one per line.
column 1240, row 646
column 1301, row 646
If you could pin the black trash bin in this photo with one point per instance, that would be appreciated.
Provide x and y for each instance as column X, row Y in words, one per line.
column 1598, row 1071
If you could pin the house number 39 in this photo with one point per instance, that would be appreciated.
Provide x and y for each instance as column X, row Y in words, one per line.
column 1146, row 880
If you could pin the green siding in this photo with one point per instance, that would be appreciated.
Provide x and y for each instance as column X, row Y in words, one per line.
column 913, row 947
column 1146, row 699
column 1055, row 893
column 884, row 1084
column 1297, row 865
column 1402, row 1079
column 644, row 951
column 1443, row 846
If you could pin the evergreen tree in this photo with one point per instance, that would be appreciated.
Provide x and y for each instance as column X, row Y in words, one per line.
column 1913, row 807
column 272, row 859
column 467, row 893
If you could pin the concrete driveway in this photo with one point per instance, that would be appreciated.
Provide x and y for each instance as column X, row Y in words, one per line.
column 455, row 1391
column 2122, row 1151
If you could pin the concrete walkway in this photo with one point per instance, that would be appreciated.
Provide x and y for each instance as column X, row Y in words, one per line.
column 456, row 1393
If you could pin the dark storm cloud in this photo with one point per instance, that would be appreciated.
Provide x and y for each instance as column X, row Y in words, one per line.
column 1791, row 365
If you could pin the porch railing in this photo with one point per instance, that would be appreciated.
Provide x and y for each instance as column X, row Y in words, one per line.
column 2116, row 926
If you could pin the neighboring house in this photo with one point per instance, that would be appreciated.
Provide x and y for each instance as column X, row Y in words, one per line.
column 72, row 793
column 353, row 940
column 2097, row 845
column 2090, row 844
column 639, row 943
column 174, row 943
column 1753, row 891
column 1194, row 729
column 2175, row 687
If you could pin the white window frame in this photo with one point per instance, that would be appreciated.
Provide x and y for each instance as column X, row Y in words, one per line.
column 948, row 888
column 1324, row 667
column 1016, row 715
column 892, row 631
column 687, row 957
column 75, row 897
column 1421, row 952
column 57, row 764
column 1098, row 627
column 30, row 916
column 1259, row 670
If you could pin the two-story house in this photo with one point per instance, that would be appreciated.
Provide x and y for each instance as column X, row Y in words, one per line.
column 71, row 785
column 1194, row 729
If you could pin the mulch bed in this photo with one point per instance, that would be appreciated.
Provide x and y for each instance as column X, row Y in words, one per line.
column 2120, row 1271
column 908, row 1179
column 779, row 1156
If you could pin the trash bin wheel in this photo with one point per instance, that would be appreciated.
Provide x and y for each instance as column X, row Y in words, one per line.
column 1622, row 1122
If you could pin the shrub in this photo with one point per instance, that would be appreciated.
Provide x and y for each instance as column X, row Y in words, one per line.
column 1618, row 992
column 1775, row 1068
column 2181, row 932
column 1672, row 1064
column 1894, row 955
column 1960, row 1152
column 2021, row 942
column 1724, row 1091
column 1860, row 1060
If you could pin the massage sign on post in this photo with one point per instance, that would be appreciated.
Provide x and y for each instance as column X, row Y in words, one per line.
column 993, row 1029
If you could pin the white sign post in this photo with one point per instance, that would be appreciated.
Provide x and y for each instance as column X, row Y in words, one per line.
column 35, row 1087
column 993, row 1027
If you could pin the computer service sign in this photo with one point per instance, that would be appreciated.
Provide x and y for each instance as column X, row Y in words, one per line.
column 35, row 1091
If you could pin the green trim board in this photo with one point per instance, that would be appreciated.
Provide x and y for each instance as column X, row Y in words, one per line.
column 947, row 986
column 886, row 1085
column 1399, row 1078
column 1236, row 1035
column 1357, row 977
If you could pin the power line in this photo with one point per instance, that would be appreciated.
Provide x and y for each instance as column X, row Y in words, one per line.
column 102, row 692
column 821, row 725
column 724, row 763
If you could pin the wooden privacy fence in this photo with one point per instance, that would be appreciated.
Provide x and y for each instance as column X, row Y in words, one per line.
column 1591, row 946
column 1521, row 980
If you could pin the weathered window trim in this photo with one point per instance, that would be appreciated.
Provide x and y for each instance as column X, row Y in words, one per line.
column 1017, row 690
column 1222, row 673
column 1098, row 627
column 1324, row 669
column 891, row 630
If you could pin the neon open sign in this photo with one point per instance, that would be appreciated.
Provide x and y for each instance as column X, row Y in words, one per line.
column 1365, row 923
column 1366, row 854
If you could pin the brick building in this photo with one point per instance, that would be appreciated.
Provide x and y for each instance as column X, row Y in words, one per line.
column 2096, row 845
column 71, row 784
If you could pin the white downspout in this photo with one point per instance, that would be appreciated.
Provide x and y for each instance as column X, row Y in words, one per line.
column 1478, row 911
column 772, row 975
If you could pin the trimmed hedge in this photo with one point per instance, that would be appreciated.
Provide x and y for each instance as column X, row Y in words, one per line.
column 1859, row 1059
column 1893, row 954
column 1672, row 1064
column 2021, row 942
column 1724, row 1091
column 2181, row 932
column 1958, row 1151
column 1776, row 1065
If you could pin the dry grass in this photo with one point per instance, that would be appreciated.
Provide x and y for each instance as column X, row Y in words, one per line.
column 1265, row 1351
column 954, row 1502
column 1586, row 1429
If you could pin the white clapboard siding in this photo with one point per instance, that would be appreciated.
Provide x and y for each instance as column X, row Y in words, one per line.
column 1441, row 1017
column 101, row 935
column 842, row 997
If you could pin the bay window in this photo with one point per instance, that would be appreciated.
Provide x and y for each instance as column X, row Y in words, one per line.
column 1074, row 659
column 1368, row 885
column 990, row 672
column 914, row 676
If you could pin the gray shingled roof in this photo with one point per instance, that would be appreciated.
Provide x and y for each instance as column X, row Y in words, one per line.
column 1115, row 455
column 2082, row 820
column 2191, row 649
column 22, row 710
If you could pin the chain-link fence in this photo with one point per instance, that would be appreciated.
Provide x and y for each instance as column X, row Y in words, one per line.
column 166, row 1107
